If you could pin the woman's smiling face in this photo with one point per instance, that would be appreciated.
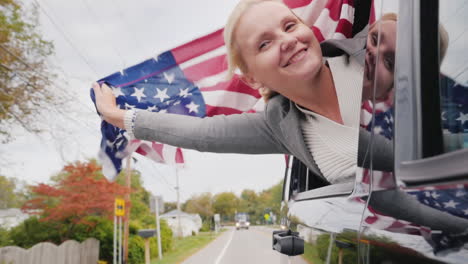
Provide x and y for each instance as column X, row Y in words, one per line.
column 278, row 49
column 380, row 73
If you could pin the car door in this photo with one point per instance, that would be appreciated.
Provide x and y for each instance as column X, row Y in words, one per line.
column 418, row 212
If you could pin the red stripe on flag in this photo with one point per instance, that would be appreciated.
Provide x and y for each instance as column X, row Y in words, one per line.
column 296, row 3
column 179, row 158
column 217, row 110
column 158, row 147
column 234, row 85
column 141, row 151
column 372, row 14
column 206, row 68
column 318, row 34
column 345, row 27
column 198, row 47
column 335, row 7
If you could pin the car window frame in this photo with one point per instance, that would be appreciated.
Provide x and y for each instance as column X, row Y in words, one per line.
column 418, row 135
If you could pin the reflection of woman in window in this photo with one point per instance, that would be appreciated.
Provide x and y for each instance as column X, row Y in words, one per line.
column 378, row 84
column 380, row 59
column 315, row 117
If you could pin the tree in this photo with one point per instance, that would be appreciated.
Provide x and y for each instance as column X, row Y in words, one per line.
column 81, row 192
column 24, row 73
column 226, row 204
column 169, row 206
column 200, row 204
column 9, row 196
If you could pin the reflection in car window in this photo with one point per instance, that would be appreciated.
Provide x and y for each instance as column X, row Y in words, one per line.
column 454, row 73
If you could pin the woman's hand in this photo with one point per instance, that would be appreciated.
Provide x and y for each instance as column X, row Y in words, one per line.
column 106, row 105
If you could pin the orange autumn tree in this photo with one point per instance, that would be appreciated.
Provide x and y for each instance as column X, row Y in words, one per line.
column 79, row 191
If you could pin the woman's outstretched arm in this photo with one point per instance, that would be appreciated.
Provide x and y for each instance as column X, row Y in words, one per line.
column 243, row 133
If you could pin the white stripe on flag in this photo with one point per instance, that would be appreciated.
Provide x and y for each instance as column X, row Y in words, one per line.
column 212, row 80
column 169, row 154
column 240, row 101
column 209, row 55
column 311, row 12
column 327, row 26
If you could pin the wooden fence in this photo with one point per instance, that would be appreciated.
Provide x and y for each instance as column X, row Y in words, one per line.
column 69, row 252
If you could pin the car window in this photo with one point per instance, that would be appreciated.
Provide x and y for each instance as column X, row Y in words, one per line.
column 453, row 55
column 377, row 111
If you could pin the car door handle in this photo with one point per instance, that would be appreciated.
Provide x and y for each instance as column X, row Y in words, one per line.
column 288, row 242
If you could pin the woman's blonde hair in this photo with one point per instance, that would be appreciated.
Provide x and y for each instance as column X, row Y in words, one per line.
column 234, row 58
column 443, row 35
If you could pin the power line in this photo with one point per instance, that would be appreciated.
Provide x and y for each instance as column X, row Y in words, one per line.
column 23, row 62
column 66, row 38
column 93, row 14
column 124, row 20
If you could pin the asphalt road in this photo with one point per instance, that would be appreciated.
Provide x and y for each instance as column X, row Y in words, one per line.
column 251, row 246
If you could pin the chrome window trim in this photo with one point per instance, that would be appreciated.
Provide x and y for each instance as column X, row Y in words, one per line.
column 287, row 181
column 447, row 166
column 339, row 189
column 407, row 139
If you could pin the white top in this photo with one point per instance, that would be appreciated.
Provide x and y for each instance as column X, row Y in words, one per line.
column 334, row 146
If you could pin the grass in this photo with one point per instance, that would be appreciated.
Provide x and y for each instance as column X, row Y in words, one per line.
column 311, row 254
column 186, row 247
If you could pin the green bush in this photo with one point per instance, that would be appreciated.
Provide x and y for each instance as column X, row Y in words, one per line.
column 4, row 238
column 136, row 250
column 33, row 231
column 206, row 226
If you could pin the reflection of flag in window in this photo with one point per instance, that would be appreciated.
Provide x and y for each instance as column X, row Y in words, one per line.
column 189, row 80
column 451, row 199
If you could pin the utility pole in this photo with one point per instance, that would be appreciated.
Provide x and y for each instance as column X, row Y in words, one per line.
column 158, row 228
column 179, row 228
column 128, row 173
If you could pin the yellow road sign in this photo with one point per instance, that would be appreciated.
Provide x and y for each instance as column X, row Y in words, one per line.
column 119, row 207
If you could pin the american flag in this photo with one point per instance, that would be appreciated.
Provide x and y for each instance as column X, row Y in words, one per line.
column 190, row 80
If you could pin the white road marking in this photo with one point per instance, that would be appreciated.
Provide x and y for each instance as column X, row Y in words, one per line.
column 224, row 249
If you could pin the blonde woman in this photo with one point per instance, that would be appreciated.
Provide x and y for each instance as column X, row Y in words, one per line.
column 314, row 116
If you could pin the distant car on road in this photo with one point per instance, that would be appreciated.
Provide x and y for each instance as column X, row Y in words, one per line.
column 242, row 221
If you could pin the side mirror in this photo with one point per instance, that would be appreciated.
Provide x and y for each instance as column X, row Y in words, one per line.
column 288, row 242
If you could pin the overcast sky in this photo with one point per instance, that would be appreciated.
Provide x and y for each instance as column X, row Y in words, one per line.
column 95, row 38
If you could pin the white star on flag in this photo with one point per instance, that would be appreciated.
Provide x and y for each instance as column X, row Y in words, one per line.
column 127, row 106
column 463, row 118
column 151, row 108
column 184, row 93
column 161, row 95
column 465, row 211
column 139, row 93
column 435, row 195
column 460, row 193
column 169, row 77
column 117, row 92
column 450, row 203
column 378, row 129
column 192, row 107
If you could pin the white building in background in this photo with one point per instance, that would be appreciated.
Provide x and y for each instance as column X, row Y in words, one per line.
column 189, row 223
column 11, row 217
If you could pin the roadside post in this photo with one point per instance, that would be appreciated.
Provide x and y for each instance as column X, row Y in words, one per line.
column 119, row 212
column 155, row 203
column 217, row 220
column 146, row 234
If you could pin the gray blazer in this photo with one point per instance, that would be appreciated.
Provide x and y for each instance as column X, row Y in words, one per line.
column 276, row 130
